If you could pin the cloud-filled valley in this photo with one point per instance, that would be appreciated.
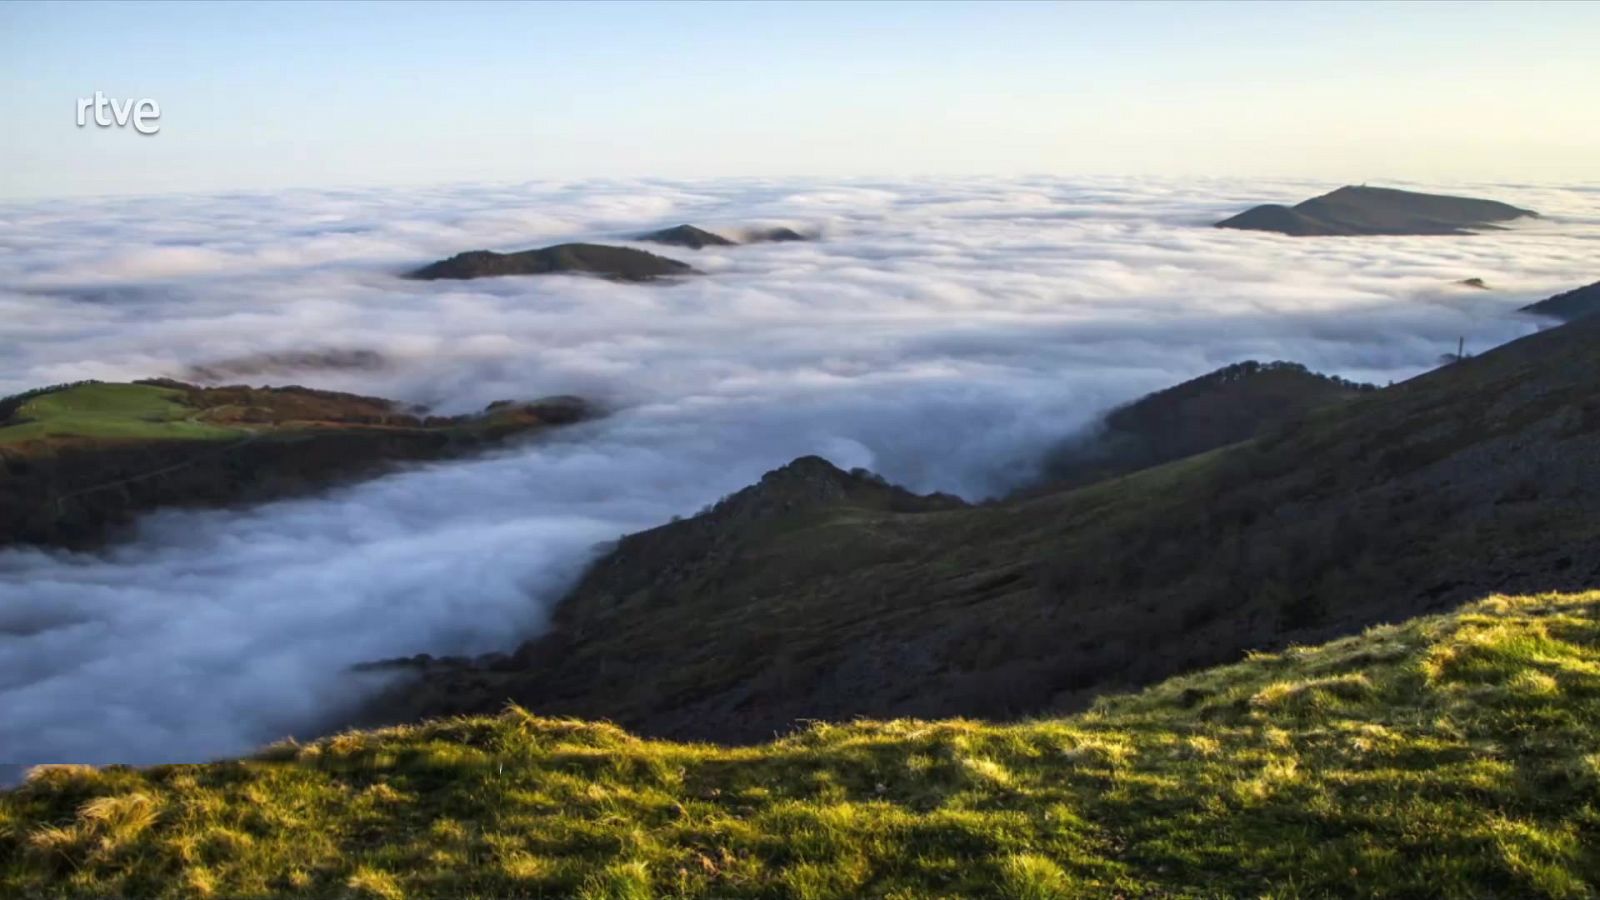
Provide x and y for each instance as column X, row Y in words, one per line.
column 943, row 333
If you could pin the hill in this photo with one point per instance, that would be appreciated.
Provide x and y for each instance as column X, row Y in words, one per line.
column 1574, row 304
column 687, row 236
column 772, row 235
column 1232, row 404
column 76, row 461
column 617, row 263
column 1473, row 478
column 1453, row 755
column 696, row 238
column 1376, row 211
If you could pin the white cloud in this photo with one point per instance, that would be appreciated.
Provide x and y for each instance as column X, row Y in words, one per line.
column 944, row 333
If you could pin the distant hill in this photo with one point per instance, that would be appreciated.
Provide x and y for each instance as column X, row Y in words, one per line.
column 686, row 236
column 76, row 461
column 1406, row 500
column 1224, row 407
column 1574, row 304
column 1451, row 756
column 772, row 235
column 696, row 238
column 618, row 263
column 1376, row 211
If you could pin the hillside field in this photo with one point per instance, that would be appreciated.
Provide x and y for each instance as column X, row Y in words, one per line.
column 1454, row 754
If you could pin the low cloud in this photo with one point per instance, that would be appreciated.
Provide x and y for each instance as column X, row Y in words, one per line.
column 943, row 333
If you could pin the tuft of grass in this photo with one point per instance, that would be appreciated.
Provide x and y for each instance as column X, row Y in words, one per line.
column 1033, row 876
column 1453, row 755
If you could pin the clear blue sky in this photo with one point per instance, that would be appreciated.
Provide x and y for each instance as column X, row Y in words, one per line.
column 305, row 94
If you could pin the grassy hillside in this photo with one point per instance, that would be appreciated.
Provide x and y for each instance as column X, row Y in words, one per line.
column 110, row 411
column 1453, row 755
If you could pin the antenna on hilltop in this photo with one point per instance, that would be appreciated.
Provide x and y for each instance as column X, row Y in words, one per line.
column 1461, row 348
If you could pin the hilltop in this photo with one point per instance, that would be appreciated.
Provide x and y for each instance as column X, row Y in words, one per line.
column 1473, row 478
column 1376, row 211
column 616, row 263
column 1452, row 755
column 78, row 460
column 1232, row 404
column 687, row 236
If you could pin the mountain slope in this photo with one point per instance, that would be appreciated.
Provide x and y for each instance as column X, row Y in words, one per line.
column 1376, row 211
column 1456, row 755
column 1574, row 304
column 77, row 461
column 1473, row 478
column 617, row 263
column 1229, row 405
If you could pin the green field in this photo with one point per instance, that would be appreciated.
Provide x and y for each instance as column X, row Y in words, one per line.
column 1455, row 755
column 110, row 411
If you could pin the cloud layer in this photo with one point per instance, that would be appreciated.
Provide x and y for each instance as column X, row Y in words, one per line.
column 942, row 332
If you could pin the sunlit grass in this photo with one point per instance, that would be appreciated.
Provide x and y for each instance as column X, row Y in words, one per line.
column 1455, row 755
column 110, row 411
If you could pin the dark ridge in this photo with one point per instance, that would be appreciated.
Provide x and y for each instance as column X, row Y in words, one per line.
column 1376, row 211
column 1478, row 283
column 1232, row 404
column 814, row 595
column 618, row 263
column 1572, row 305
column 686, row 236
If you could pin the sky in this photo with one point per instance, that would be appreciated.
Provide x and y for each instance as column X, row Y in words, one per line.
column 288, row 95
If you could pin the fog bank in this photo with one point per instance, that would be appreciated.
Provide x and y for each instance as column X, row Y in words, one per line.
column 942, row 333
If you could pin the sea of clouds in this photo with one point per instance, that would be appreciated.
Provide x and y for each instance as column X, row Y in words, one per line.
column 941, row 332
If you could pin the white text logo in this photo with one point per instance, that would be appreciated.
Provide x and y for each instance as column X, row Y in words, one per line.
column 143, row 113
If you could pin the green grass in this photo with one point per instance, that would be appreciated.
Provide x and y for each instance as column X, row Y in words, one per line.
column 110, row 412
column 1455, row 755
